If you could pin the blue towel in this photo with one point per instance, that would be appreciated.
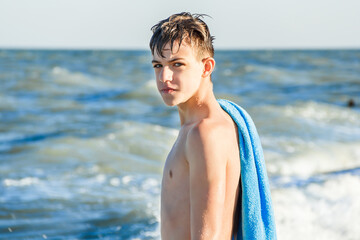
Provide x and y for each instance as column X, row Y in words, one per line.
column 256, row 218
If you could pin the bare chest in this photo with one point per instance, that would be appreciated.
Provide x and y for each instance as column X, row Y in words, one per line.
column 175, row 193
column 176, row 169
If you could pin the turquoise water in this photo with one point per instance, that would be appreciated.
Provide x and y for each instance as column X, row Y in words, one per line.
column 84, row 136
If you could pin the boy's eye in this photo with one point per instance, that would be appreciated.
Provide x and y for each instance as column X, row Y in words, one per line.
column 178, row 64
column 157, row 66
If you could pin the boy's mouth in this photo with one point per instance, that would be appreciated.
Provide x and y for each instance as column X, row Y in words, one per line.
column 167, row 90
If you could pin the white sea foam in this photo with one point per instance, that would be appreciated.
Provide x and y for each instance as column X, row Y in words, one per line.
column 127, row 138
column 126, row 179
column 326, row 211
column 306, row 161
column 115, row 182
column 65, row 77
column 309, row 121
column 323, row 113
column 20, row 182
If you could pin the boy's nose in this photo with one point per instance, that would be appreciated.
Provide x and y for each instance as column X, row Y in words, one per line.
column 166, row 74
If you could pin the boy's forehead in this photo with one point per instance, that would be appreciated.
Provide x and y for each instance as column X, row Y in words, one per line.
column 184, row 50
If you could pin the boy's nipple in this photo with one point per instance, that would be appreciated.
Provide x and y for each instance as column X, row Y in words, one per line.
column 170, row 174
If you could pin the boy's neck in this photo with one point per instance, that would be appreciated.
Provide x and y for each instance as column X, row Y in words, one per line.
column 198, row 106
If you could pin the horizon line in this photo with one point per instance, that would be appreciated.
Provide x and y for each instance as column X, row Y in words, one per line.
column 77, row 48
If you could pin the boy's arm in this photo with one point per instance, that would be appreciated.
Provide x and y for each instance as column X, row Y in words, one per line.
column 206, row 155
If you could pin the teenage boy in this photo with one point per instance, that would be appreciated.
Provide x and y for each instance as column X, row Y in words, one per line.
column 200, row 186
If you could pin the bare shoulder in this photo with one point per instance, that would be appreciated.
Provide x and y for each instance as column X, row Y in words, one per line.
column 208, row 130
column 208, row 140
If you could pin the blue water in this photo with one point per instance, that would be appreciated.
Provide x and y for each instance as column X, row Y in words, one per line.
column 84, row 136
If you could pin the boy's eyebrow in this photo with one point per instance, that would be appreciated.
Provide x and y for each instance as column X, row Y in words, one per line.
column 171, row 60
column 176, row 59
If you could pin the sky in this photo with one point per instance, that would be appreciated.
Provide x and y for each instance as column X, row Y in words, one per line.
column 236, row 24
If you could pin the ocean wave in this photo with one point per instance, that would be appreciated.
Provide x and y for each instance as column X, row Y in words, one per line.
column 64, row 77
column 329, row 210
column 20, row 182
column 306, row 160
column 310, row 121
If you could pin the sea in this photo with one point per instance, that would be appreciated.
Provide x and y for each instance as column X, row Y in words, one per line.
column 84, row 135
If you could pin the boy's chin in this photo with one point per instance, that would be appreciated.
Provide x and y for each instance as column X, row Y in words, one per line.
column 170, row 103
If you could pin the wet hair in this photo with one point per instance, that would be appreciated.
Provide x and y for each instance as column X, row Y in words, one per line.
column 182, row 27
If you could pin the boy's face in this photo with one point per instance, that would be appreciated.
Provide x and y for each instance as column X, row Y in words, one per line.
column 178, row 74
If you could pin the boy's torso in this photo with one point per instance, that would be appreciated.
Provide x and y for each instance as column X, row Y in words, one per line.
column 175, row 192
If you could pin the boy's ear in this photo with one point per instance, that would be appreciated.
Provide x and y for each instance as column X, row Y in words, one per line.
column 209, row 65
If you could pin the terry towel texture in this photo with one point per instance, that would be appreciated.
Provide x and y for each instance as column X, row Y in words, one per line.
column 256, row 218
